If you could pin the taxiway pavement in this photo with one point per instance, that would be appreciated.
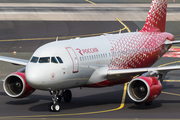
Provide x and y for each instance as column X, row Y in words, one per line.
column 23, row 36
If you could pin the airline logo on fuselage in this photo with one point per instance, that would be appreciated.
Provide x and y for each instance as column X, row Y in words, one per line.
column 87, row 51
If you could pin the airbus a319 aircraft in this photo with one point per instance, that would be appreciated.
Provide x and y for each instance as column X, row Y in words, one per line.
column 99, row 61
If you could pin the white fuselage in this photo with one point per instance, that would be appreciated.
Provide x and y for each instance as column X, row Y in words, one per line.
column 81, row 57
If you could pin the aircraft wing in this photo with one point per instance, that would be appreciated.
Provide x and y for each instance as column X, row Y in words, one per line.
column 122, row 73
column 15, row 61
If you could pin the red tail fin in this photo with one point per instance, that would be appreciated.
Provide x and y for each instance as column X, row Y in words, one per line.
column 156, row 19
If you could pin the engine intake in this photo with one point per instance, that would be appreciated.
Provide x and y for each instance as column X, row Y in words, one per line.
column 144, row 89
column 15, row 85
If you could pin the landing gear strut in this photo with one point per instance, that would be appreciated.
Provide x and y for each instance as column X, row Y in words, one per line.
column 55, row 107
column 66, row 94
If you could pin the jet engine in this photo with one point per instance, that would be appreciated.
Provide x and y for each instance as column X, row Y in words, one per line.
column 15, row 85
column 144, row 89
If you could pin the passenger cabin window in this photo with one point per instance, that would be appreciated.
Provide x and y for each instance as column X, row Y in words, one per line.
column 53, row 60
column 44, row 60
column 34, row 59
column 59, row 59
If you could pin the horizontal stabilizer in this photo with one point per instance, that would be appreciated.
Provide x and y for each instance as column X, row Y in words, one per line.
column 172, row 42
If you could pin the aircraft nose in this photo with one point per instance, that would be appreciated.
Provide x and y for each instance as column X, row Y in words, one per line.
column 32, row 75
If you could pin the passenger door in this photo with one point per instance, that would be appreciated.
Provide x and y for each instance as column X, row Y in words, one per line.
column 74, row 59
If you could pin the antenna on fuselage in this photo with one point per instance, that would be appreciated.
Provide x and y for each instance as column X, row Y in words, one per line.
column 56, row 38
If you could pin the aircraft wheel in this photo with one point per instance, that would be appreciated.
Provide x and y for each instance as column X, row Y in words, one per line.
column 51, row 107
column 54, row 107
column 67, row 95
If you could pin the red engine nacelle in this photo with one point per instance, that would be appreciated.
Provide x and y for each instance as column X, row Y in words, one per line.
column 144, row 89
column 15, row 85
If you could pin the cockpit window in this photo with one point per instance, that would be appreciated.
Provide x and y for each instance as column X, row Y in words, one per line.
column 44, row 60
column 59, row 59
column 53, row 60
column 34, row 59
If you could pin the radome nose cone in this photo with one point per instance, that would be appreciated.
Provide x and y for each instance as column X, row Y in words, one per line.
column 32, row 76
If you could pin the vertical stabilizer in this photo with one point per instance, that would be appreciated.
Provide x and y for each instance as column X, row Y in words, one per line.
column 156, row 19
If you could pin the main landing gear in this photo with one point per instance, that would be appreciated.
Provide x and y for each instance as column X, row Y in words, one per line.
column 54, row 106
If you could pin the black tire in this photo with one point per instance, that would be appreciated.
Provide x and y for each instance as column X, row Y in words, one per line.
column 67, row 96
column 56, row 108
column 50, row 107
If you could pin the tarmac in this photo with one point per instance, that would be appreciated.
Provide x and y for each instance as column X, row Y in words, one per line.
column 80, row 12
column 26, row 25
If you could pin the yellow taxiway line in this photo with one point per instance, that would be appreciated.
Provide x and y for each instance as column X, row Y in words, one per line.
column 175, row 47
column 84, row 113
column 177, row 35
column 123, row 24
column 171, row 80
column 60, row 38
column 90, row 2
column 169, row 63
column 170, row 93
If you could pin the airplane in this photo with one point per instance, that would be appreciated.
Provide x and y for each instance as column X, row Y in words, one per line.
column 98, row 61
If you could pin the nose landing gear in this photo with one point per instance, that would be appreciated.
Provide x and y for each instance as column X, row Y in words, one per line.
column 54, row 106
